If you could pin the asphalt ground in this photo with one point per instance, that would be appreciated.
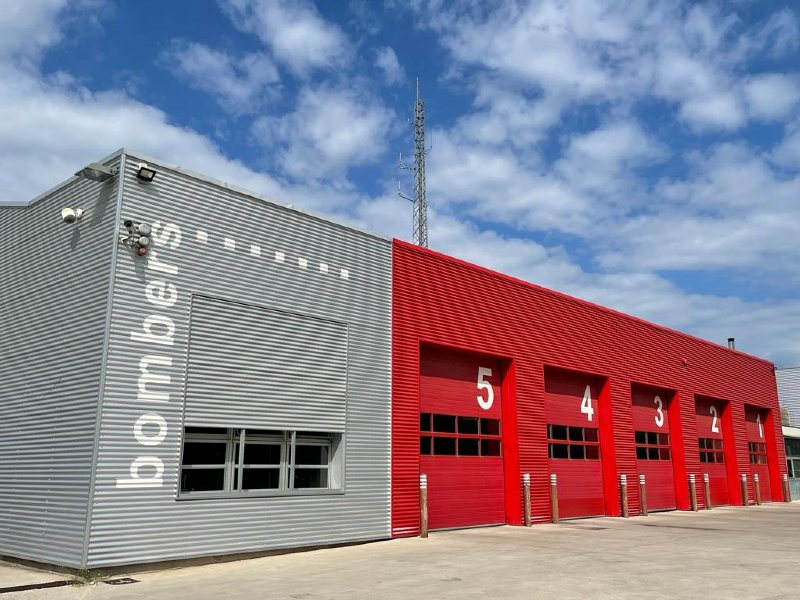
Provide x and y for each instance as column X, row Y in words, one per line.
column 726, row 553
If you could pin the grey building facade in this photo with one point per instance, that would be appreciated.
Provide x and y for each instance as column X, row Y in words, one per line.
column 228, row 391
column 788, row 380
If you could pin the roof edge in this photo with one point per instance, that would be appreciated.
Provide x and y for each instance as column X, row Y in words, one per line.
column 251, row 194
column 58, row 186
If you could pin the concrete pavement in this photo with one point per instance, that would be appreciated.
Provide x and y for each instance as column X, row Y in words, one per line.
column 729, row 552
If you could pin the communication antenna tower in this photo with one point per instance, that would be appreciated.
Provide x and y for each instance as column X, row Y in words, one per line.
column 419, row 200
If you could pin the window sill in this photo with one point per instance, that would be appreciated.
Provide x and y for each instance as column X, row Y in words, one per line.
column 259, row 494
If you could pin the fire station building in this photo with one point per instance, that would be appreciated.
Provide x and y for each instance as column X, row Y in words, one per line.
column 188, row 370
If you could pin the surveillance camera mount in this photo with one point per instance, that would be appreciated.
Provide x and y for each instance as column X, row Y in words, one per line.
column 137, row 236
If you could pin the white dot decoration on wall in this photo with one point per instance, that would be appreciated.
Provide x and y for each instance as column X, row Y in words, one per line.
column 279, row 256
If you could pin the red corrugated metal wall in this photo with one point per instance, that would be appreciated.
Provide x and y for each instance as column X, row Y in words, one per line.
column 444, row 301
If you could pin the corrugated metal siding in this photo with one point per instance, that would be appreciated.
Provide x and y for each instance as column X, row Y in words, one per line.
column 440, row 300
column 257, row 368
column 52, row 325
column 789, row 393
column 148, row 524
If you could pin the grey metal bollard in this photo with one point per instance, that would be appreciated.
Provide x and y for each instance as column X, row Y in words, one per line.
column 423, row 506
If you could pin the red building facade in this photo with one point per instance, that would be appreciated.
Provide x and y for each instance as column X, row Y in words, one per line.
column 494, row 377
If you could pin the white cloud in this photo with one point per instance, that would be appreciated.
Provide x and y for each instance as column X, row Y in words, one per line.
column 386, row 61
column 294, row 30
column 731, row 211
column 27, row 28
column 502, row 116
column 787, row 153
column 241, row 84
column 603, row 160
column 330, row 131
column 582, row 51
column 772, row 96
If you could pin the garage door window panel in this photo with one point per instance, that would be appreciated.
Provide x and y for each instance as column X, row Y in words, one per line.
column 573, row 443
column 454, row 435
column 711, row 450
column 652, row 445
column 758, row 453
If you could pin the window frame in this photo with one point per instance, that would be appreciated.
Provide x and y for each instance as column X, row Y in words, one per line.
column 661, row 446
column 716, row 449
column 570, row 441
column 457, row 436
column 235, row 466
column 757, row 452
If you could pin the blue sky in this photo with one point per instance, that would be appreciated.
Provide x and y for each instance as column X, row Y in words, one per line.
column 642, row 155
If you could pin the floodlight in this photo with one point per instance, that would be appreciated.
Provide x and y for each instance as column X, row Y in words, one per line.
column 97, row 172
column 146, row 173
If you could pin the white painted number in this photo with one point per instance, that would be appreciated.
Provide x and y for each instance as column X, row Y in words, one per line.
column 660, row 413
column 484, row 372
column 713, row 412
column 586, row 403
column 760, row 427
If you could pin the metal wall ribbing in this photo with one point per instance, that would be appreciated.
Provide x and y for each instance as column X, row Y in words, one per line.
column 54, row 280
column 259, row 368
column 214, row 241
column 789, row 393
column 444, row 301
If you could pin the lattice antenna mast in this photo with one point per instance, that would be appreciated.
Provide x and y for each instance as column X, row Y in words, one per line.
column 420, row 199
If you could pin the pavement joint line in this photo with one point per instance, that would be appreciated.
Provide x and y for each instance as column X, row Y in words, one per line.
column 36, row 586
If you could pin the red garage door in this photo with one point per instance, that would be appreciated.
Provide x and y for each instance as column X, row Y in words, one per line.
column 653, row 445
column 573, row 432
column 460, row 448
column 757, row 448
column 711, row 447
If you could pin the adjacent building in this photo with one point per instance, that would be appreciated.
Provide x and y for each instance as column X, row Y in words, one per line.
column 789, row 397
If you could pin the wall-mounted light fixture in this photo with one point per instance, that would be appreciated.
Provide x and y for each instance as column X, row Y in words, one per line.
column 97, row 172
column 145, row 172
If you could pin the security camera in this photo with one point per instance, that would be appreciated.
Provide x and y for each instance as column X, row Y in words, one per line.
column 69, row 215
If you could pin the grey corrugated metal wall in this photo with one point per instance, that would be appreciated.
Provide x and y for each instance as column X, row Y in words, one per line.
column 789, row 392
column 227, row 245
column 52, row 322
column 264, row 369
